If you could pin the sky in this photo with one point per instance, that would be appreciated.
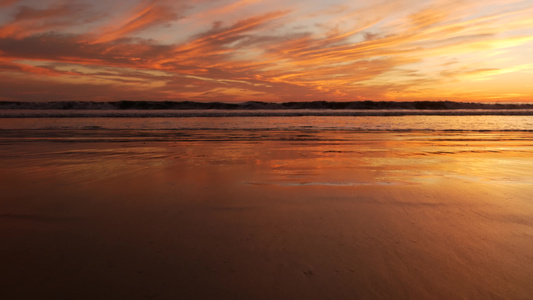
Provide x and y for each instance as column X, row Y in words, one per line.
column 266, row 50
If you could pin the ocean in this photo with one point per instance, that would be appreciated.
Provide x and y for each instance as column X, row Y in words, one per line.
column 266, row 204
column 350, row 120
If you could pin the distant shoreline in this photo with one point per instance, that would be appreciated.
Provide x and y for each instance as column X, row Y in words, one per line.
column 255, row 105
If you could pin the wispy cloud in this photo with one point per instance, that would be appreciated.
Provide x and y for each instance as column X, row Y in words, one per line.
column 28, row 21
column 145, row 15
column 391, row 50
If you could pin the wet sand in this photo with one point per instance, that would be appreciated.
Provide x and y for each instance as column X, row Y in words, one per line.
column 315, row 215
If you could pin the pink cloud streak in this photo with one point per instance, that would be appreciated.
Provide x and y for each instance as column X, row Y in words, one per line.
column 256, row 57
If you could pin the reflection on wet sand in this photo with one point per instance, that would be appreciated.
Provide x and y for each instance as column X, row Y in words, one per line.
column 344, row 215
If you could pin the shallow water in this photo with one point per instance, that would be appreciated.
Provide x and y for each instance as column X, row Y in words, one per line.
column 260, row 120
column 266, row 214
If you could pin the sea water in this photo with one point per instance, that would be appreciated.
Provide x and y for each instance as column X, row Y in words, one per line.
column 350, row 120
column 265, row 205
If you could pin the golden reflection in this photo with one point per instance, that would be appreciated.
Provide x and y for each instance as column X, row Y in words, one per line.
column 357, row 213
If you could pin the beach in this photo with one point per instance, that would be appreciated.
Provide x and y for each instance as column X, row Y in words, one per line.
column 373, row 150
column 267, row 215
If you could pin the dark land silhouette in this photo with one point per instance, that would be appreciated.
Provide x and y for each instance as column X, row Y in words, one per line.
column 255, row 105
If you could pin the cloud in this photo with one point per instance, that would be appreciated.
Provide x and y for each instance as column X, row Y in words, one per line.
column 36, row 70
column 38, row 89
column 29, row 21
column 280, row 54
column 7, row 2
column 220, row 36
column 147, row 14
column 70, row 48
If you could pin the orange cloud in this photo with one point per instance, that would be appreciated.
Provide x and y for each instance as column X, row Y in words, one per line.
column 145, row 15
column 378, row 52
column 24, row 68
column 29, row 21
column 7, row 2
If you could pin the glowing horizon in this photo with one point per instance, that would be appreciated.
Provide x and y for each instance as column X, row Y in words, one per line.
column 253, row 50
